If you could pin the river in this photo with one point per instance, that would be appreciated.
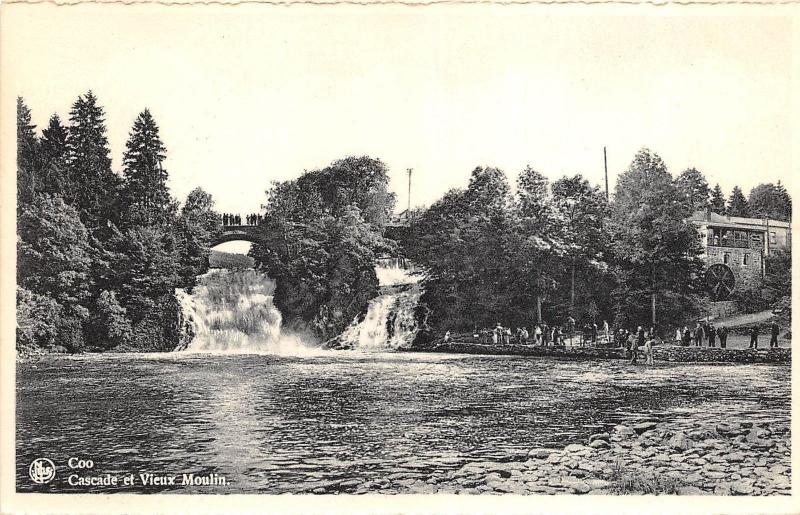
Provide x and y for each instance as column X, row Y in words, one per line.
column 346, row 420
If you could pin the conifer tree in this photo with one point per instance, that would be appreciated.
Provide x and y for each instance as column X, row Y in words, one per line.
column 95, row 186
column 770, row 200
column 54, row 179
column 27, row 146
column 737, row 204
column 717, row 200
column 145, row 196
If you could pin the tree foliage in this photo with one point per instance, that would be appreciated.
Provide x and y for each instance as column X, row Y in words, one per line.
column 717, row 202
column 737, row 204
column 693, row 187
column 771, row 201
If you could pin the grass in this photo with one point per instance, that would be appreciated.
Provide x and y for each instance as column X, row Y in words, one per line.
column 627, row 481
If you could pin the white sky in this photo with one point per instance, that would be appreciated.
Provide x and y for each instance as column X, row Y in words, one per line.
column 247, row 95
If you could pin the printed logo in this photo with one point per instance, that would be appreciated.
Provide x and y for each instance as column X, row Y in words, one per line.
column 42, row 471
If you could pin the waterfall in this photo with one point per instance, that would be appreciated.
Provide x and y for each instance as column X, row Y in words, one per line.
column 389, row 322
column 232, row 311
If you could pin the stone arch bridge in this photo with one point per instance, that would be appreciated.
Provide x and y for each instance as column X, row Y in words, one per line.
column 252, row 233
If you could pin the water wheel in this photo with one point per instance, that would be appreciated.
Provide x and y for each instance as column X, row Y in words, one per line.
column 720, row 281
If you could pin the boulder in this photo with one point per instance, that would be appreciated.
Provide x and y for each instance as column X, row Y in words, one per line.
column 680, row 441
column 644, row 426
column 734, row 457
column 539, row 453
column 599, row 444
column 577, row 485
column 599, row 436
column 690, row 490
column 741, row 488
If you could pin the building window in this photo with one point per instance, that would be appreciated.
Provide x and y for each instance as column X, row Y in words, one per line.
column 746, row 260
column 773, row 238
column 726, row 258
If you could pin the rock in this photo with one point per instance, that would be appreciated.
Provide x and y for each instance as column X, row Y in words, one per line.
column 599, row 444
column 722, row 489
column 539, row 453
column 644, row 426
column 741, row 488
column 680, row 442
column 714, row 467
column 690, row 490
column 599, row 436
column 597, row 484
column 734, row 457
column 715, row 475
column 726, row 429
column 623, row 430
column 693, row 478
column 318, row 490
column 554, row 458
column 574, row 447
column 575, row 484
column 778, row 469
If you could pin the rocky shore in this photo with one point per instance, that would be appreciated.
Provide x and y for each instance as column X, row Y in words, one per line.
column 649, row 457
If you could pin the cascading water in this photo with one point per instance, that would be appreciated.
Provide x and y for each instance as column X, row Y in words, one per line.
column 389, row 323
column 232, row 311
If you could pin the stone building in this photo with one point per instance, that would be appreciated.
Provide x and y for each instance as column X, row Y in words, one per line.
column 735, row 247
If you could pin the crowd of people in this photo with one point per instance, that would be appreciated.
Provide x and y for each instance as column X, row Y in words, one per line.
column 234, row 219
column 633, row 342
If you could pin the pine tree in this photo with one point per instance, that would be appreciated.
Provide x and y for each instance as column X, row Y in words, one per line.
column 737, row 204
column 145, row 195
column 717, row 200
column 54, row 178
column 197, row 227
column 95, row 186
column 27, row 147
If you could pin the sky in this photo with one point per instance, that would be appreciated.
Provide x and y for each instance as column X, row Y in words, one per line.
column 248, row 95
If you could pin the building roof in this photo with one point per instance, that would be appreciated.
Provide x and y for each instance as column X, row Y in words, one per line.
column 709, row 217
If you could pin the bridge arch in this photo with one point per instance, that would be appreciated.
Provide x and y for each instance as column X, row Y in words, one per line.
column 236, row 233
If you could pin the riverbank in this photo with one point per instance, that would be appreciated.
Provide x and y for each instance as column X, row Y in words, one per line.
column 671, row 353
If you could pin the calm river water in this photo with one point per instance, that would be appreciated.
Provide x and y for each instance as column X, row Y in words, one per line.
column 292, row 424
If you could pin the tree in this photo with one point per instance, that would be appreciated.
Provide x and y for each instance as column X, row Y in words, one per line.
column 737, row 204
column 717, row 203
column 694, row 188
column 94, row 185
column 584, row 209
column 145, row 195
column 656, row 249
column 38, row 318
column 53, row 252
column 108, row 325
column 197, row 227
column 771, row 201
column 55, row 180
column 27, row 150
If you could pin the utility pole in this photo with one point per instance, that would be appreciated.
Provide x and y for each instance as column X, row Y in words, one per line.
column 605, row 164
column 408, row 211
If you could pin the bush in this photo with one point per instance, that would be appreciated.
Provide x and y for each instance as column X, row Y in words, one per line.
column 38, row 318
column 108, row 326
column 752, row 299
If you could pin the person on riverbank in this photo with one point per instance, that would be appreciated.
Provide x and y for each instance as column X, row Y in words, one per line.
column 537, row 334
column 447, row 337
column 698, row 335
column 774, row 330
column 507, row 336
column 687, row 336
column 722, row 332
column 648, row 351
column 640, row 337
column 496, row 335
column 606, row 332
column 524, row 335
column 545, row 334
column 754, row 337
column 594, row 333
column 712, row 336
column 634, row 343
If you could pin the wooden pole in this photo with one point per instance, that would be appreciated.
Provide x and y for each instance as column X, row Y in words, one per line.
column 408, row 211
column 605, row 165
